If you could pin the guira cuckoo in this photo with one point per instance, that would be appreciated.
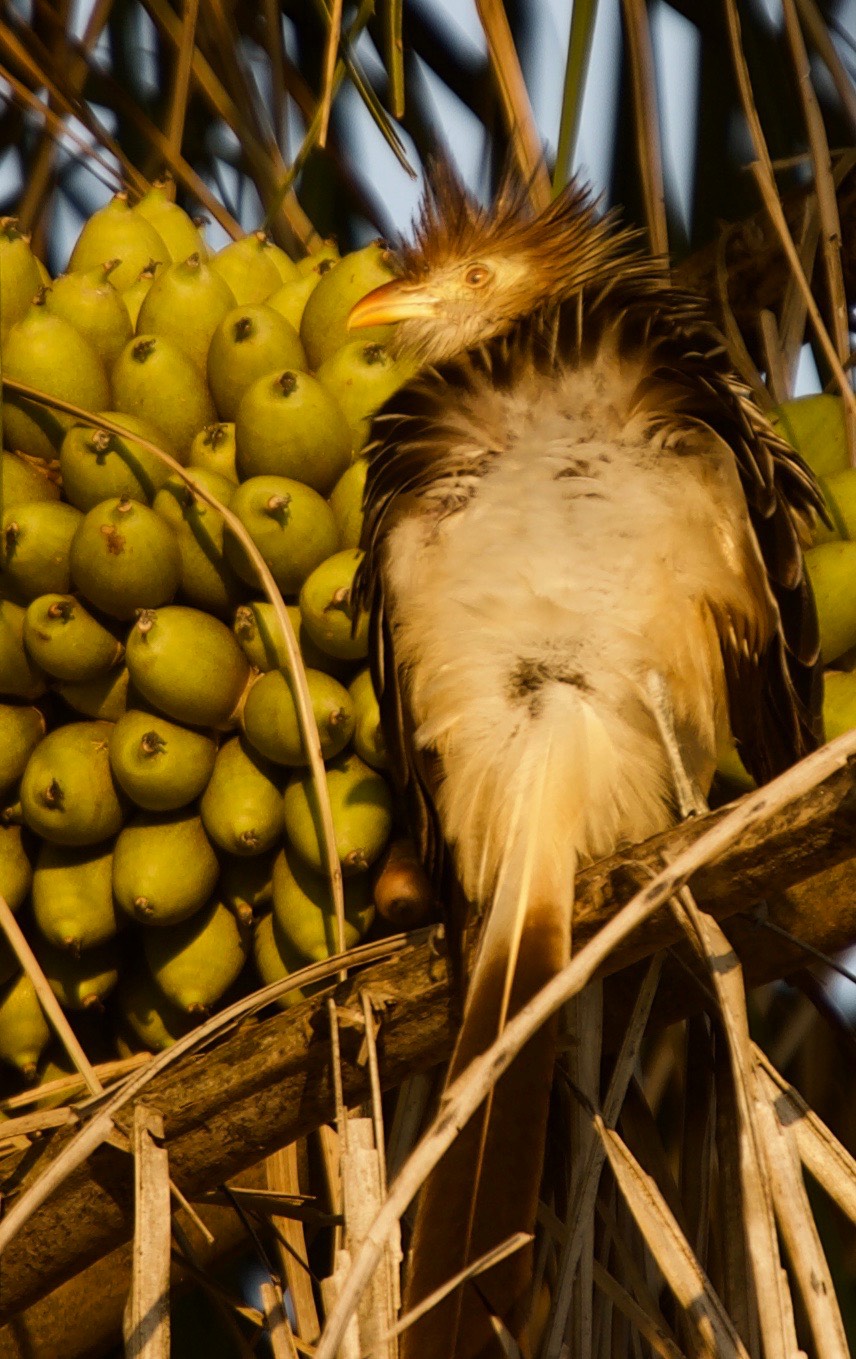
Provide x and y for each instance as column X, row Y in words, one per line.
column 581, row 536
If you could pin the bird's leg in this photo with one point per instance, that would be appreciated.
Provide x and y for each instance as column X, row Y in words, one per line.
column 691, row 801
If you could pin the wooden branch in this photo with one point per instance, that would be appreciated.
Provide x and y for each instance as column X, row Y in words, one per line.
column 270, row 1083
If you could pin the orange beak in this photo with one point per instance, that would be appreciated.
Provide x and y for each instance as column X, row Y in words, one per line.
column 392, row 302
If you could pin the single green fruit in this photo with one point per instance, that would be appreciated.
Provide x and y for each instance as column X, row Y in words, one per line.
column 290, row 524
column 213, row 450
column 369, row 742
column 839, row 702
column 97, row 465
column 303, row 909
column 124, row 557
column 104, row 698
column 241, row 808
column 290, row 300
column 155, row 381
column 164, row 868
column 245, row 883
column 176, row 228
column 320, row 261
column 154, row 1020
column 185, row 304
column 73, row 903
column 133, row 296
column 325, row 603
column 361, row 804
column 361, row 376
column 275, row 960
column 187, row 664
column 24, row 1031
column 90, row 303
column 160, row 765
column 66, row 641
column 250, row 341
column 282, row 263
column 270, row 716
column 20, row 677
column 248, row 268
column 67, row 791
column 207, row 580
column 832, row 570
column 324, row 327
column 839, row 492
column 116, row 232
column 82, row 982
column 288, row 425
column 24, row 479
column 19, row 274
column 195, row 962
column 21, row 729
column 814, row 426
column 36, row 543
column 346, row 502
column 16, row 871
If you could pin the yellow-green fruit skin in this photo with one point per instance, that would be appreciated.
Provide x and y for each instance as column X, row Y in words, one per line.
column 832, row 572
column 195, row 962
column 47, row 352
column 361, row 376
column 20, row 279
column 346, row 502
column 270, row 716
column 104, row 698
column 282, row 263
column 361, row 804
column 241, row 807
column 24, row 1031
column 248, row 268
column 290, row 300
column 22, row 481
column 21, row 729
column 304, row 911
column 275, row 960
column 124, row 557
column 164, row 868
column 290, row 524
column 116, row 232
column 154, row 1020
column 324, row 326
column 249, row 342
column 245, row 883
column 73, row 903
column 368, row 733
column 207, row 580
column 155, row 381
column 814, row 426
column 204, row 693
column 160, row 765
column 839, row 492
column 288, row 425
column 19, row 676
column 257, row 631
column 80, row 983
column 66, row 641
column 176, row 229
column 133, row 296
column 186, row 303
column 213, row 450
column 327, row 611
column 16, row 871
column 68, row 794
column 97, row 465
column 36, row 548
column 839, row 702
column 90, row 303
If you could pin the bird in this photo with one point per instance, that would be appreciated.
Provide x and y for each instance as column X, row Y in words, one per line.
column 583, row 565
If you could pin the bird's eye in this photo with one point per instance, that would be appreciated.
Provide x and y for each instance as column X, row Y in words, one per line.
column 477, row 275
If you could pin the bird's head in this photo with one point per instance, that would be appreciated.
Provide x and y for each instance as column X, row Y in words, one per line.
column 471, row 272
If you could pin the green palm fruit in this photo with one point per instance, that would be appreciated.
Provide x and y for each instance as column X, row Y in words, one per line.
column 368, row 733
column 814, row 426
column 124, row 557
column 161, row 766
column 45, row 351
column 24, row 1031
column 256, row 630
column 97, row 465
column 831, row 569
column 251, row 341
column 322, row 258
column 290, row 300
column 324, row 327
column 19, row 274
column 36, row 542
column 133, row 296
column 207, row 580
column 195, row 962
column 116, row 232
column 288, row 425
column 839, row 492
column 66, row 641
column 303, row 909
column 155, row 381
column 67, row 792
column 839, row 702
column 104, row 698
column 325, row 603
column 361, row 376
column 361, row 804
column 270, row 716
column 80, row 982
column 241, row 808
column 16, row 871
column 291, row 525
column 245, row 883
column 145, row 1010
column 186, row 303
column 89, row 302
column 403, row 893
column 21, row 729
column 176, row 228
column 164, row 868
column 19, row 676
column 248, row 267
column 283, row 263
column 73, row 903
column 346, row 502
column 275, row 959
column 23, row 480
column 213, row 450
column 187, row 664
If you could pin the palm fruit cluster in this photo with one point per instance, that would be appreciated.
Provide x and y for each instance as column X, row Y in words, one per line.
column 815, row 427
column 159, row 828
